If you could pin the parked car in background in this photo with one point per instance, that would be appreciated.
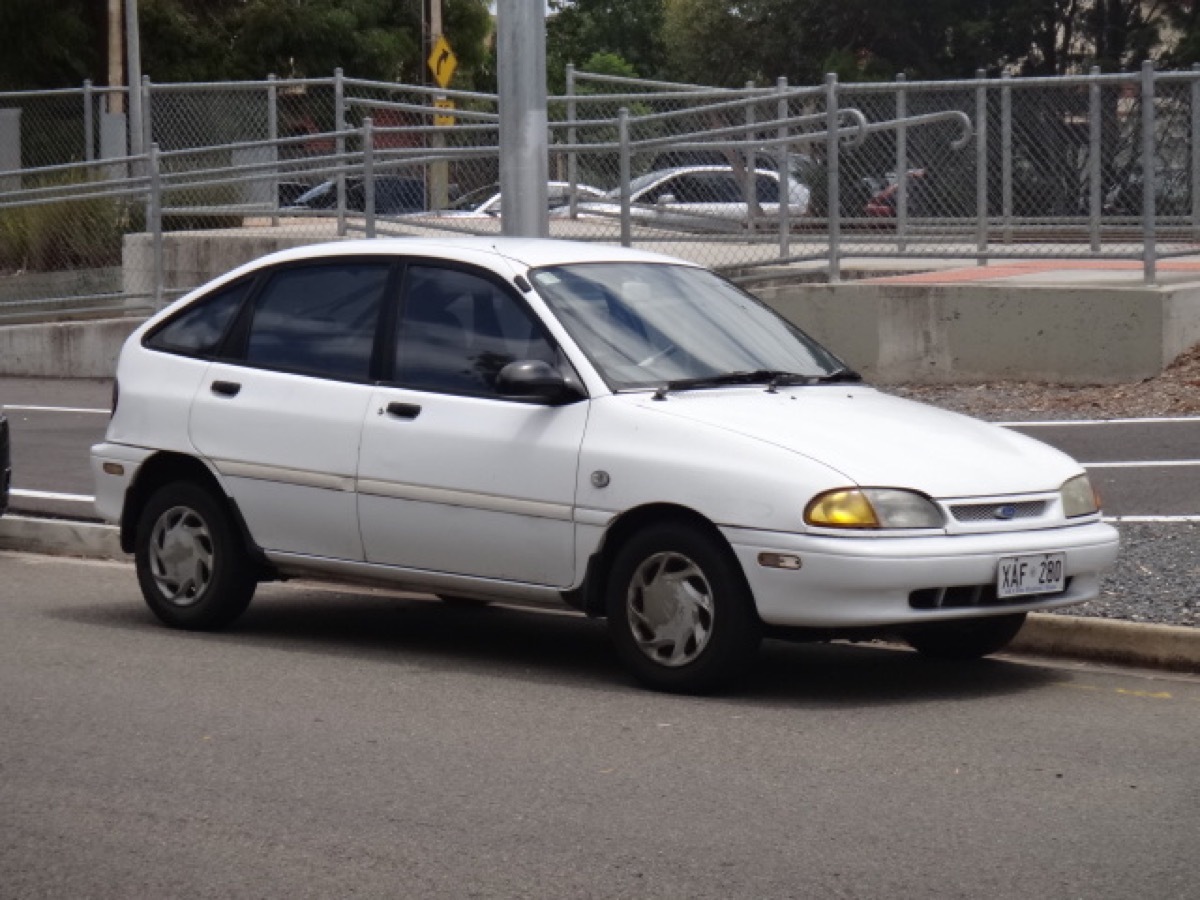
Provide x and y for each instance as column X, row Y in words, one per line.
column 5, row 464
column 572, row 424
column 394, row 195
column 700, row 198
column 886, row 192
column 485, row 201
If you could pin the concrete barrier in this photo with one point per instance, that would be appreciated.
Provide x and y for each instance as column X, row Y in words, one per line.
column 893, row 333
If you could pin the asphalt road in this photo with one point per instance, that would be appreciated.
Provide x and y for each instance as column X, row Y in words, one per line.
column 354, row 744
column 1144, row 468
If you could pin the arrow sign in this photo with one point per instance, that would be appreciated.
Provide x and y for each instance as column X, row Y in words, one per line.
column 442, row 62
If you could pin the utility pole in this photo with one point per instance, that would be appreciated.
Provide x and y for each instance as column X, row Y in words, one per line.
column 133, row 53
column 439, row 172
column 116, row 57
column 524, row 145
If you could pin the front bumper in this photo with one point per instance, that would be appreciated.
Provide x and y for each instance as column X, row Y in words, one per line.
column 864, row 582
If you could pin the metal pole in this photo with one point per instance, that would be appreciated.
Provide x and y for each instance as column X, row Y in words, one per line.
column 368, row 149
column 572, row 137
column 785, row 175
column 751, row 159
column 981, row 171
column 439, row 169
column 1094, row 159
column 1006, row 156
column 833, row 200
column 339, row 146
column 623, row 174
column 147, row 112
column 89, row 124
column 1149, row 237
column 273, row 140
column 524, row 123
column 901, row 165
column 1195, row 151
column 133, row 78
column 154, row 224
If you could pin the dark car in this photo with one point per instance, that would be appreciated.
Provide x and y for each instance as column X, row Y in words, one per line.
column 394, row 195
column 5, row 464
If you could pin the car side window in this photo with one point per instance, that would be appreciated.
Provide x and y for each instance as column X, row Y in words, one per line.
column 200, row 328
column 767, row 189
column 457, row 330
column 318, row 320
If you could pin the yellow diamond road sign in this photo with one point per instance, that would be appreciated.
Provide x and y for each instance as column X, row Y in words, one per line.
column 442, row 62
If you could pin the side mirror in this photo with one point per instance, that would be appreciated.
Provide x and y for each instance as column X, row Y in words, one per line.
column 533, row 379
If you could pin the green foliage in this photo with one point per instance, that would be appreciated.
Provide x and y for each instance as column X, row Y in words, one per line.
column 578, row 31
column 70, row 234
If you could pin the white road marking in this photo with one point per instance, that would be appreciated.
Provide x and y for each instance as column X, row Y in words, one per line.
column 55, row 409
column 1150, row 519
column 1142, row 464
column 1149, row 420
column 51, row 495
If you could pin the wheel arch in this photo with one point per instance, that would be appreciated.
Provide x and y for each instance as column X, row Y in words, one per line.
column 589, row 597
column 166, row 467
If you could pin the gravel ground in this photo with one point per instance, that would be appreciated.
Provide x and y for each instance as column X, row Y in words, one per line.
column 1157, row 576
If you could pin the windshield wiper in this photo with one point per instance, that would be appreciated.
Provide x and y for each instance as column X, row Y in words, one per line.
column 844, row 374
column 770, row 377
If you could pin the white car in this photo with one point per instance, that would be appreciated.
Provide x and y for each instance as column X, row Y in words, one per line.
column 559, row 423
column 705, row 198
column 485, row 201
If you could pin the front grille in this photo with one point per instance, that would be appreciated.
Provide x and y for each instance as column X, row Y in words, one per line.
column 972, row 595
column 987, row 512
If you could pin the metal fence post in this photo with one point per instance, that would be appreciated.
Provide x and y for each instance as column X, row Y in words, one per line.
column 273, row 140
column 901, row 164
column 1149, row 236
column 981, row 171
column 785, row 174
column 368, row 171
column 833, row 200
column 1194, row 186
column 147, row 113
column 89, row 125
column 1095, row 169
column 1006, row 155
column 751, row 160
column 623, row 174
column 154, row 223
column 339, row 146
column 572, row 138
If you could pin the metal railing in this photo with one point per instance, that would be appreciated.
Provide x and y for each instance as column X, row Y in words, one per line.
column 975, row 170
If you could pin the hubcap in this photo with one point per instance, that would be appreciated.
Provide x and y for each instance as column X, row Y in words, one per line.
column 670, row 607
column 181, row 556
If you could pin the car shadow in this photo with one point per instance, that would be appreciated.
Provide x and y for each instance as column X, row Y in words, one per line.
column 565, row 648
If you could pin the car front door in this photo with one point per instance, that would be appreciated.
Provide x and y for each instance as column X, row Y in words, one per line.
column 279, row 416
column 452, row 477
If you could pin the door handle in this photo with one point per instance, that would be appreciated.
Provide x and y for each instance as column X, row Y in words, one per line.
column 404, row 410
column 226, row 388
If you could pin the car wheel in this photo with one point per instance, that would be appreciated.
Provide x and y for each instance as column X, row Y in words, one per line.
column 679, row 610
column 966, row 638
column 192, row 564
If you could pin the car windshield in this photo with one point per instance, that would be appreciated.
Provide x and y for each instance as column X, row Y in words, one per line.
column 635, row 185
column 646, row 325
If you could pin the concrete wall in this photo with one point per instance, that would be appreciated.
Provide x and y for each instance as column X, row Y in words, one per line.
column 893, row 333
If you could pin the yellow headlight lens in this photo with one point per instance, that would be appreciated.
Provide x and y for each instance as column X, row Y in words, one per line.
column 842, row 509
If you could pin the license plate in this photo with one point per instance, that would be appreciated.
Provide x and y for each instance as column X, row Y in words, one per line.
column 1040, row 573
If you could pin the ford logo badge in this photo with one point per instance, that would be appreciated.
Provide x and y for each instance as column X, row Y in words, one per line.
column 1005, row 512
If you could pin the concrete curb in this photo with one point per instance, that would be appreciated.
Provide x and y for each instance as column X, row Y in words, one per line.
column 1168, row 647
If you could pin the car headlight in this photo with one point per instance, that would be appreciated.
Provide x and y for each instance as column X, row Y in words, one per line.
column 1079, row 498
column 873, row 508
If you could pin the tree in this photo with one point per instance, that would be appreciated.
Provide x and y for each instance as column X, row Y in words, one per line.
column 628, row 30
column 50, row 45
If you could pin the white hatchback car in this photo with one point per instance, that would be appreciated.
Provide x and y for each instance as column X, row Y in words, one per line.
column 561, row 423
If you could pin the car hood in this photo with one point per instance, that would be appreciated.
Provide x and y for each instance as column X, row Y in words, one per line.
column 878, row 440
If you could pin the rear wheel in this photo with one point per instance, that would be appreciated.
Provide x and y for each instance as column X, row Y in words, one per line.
column 679, row 610
column 965, row 638
column 192, row 564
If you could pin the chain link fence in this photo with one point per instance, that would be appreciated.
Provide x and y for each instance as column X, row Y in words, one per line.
column 749, row 181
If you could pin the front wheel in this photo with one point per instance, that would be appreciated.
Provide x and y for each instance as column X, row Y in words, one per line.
column 192, row 564
column 679, row 611
column 965, row 638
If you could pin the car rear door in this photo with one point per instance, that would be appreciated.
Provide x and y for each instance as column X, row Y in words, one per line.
column 279, row 416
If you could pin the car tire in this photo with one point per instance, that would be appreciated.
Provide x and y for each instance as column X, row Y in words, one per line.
column 192, row 563
column 966, row 638
column 679, row 610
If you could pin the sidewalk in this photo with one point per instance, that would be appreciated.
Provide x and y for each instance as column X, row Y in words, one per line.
column 1165, row 647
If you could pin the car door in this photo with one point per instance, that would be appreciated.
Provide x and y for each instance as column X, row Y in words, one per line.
column 279, row 415
column 452, row 477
